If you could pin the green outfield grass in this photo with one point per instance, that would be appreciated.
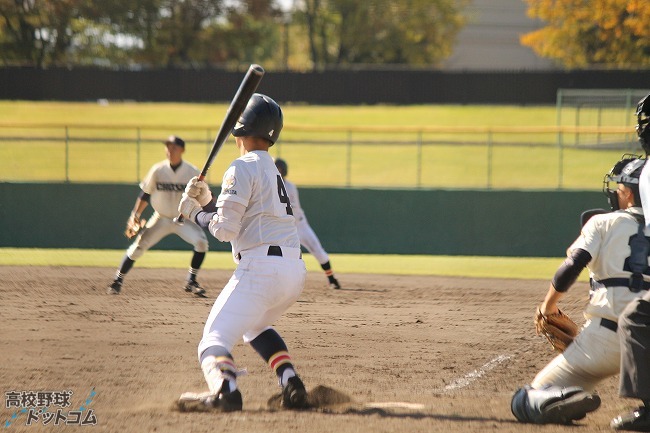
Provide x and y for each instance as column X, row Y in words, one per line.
column 465, row 146
column 456, row 266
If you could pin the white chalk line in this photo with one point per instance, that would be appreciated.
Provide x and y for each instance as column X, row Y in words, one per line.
column 394, row 405
column 476, row 374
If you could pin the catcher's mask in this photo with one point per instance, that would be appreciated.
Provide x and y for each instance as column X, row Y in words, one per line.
column 261, row 118
column 626, row 171
column 642, row 127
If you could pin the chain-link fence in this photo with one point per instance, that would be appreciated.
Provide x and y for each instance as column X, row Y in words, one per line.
column 435, row 157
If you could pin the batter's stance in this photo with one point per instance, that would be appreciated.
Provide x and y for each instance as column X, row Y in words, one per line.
column 308, row 238
column 163, row 187
column 253, row 213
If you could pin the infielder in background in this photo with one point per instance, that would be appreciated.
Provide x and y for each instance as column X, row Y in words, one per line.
column 634, row 322
column 308, row 238
column 609, row 245
column 253, row 212
column 163, row 187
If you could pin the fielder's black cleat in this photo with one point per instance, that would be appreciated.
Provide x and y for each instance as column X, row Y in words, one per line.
column 334, row 284
column 637, row 420
column 115, row 288
column 294, row 394
column 195, row 288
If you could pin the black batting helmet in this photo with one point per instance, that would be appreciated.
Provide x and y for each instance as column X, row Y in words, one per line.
column 626, row 171
column 261, row 118
column 643, row 117
column 282, row 166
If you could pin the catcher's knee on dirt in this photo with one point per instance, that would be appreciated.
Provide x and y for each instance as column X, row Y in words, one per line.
column 552, row 404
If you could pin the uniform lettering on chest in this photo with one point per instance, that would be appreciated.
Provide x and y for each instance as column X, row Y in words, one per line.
column 162, row 186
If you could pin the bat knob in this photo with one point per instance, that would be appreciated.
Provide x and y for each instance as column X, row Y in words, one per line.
column 179, row 220
column 257, row 69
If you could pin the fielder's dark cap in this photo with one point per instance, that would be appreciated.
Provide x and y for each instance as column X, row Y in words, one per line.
column 175, row 140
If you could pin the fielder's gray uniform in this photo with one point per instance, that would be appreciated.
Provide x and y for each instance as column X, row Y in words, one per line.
column 307, row 236
column 166, row 186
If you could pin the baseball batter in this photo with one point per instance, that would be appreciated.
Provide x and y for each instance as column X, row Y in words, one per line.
column 308, row 238
column 634, row 322
column 253, row 212
column 612, row 246
column 163, row 188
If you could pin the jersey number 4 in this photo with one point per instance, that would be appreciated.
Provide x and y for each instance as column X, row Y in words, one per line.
column 284, row 197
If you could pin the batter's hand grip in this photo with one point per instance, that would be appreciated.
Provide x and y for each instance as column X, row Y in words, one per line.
column 180, row 219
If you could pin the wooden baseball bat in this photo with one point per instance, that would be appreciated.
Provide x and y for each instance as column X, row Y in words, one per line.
column 246, row 89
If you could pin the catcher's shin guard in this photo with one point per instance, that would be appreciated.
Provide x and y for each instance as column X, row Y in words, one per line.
column 552, row 404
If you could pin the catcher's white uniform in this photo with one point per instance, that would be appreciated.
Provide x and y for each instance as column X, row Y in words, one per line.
column 264, row 284
column 166, row 186
column 307, row 236
column 595, row 354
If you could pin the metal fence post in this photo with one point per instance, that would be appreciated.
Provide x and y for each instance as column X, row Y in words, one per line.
column 489, row 159
column 137, row 155
column 560, row 168
column 348, row 174
column 67, row 154
column 418, row 180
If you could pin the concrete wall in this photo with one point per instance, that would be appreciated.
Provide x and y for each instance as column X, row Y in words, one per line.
column 436, row 222
column 490, row 39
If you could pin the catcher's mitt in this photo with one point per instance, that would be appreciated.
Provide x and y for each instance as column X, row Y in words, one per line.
column 134, row 225
column 558, row 328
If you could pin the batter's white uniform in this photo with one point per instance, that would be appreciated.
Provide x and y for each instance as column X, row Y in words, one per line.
column 595, row 353
column 263, row 286
column 307, row 236
column 166, row 187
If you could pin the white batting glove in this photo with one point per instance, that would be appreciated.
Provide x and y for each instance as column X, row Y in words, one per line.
column 199, row 190
column 189, row 207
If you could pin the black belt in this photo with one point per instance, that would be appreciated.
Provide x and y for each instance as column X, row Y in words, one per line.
column 611, row 282
column 274, row 250
column 609, row 324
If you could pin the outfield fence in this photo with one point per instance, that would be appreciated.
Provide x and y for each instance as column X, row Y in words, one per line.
column 554, row 157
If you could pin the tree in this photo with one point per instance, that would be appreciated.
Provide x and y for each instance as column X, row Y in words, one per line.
column 583, row 33
column 413, row 32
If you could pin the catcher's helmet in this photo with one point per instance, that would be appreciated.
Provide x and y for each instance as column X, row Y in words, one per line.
column 261, row 118
column 626, row 171
column 282, row 166
column 642, row 127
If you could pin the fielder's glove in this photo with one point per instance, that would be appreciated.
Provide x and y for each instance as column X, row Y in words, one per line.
column 558, row 328
column 134, row 225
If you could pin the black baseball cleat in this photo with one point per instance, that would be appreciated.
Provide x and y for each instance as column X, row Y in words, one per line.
column 115, row 288
column 195, row 288
column 572, row 408
column 206, row 402
column 294, row 394
column 637, row 420
column 334, row 284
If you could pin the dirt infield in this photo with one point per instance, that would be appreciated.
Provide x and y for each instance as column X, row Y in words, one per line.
column 415, row 354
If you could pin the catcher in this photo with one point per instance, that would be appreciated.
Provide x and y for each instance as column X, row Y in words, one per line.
column 163, row 187
column 614, row 248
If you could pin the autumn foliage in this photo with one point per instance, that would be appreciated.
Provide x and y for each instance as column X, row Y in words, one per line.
column 592, row 33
